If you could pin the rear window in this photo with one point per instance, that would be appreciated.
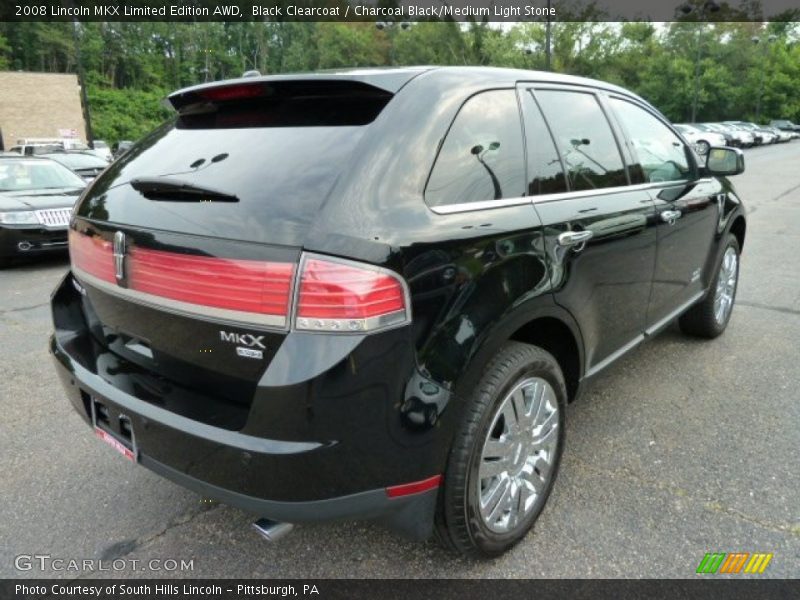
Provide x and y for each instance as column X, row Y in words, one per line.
column 278, row 155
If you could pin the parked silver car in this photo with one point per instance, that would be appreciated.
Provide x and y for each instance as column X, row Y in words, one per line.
column 701, row 140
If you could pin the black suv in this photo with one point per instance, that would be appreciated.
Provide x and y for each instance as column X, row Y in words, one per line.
column 371, row 294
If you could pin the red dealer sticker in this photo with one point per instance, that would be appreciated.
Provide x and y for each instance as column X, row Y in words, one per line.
column 115, row 443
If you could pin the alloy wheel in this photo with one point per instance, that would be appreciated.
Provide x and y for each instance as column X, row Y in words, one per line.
column 518, row 455
column 726, row 285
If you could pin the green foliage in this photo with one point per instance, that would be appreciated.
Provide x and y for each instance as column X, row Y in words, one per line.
column 125, row 114
column 5, row 50
column 131, row 66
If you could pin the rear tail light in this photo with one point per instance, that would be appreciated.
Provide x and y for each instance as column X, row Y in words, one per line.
column 92, row 255
column 250, row 286
column 333, row 295
column 337, row 295
column 247, row 291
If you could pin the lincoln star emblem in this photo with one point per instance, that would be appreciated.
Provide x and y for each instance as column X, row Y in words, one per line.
column 119, row 256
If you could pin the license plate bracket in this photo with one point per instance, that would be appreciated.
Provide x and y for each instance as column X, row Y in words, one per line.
column 101, row 423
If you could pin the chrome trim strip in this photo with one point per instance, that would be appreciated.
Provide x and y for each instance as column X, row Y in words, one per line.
column 54, row 218
column 362, row 326
column 649, row 332
column 181, row 308
column 448, row 209
column 614, row 356
column 655, row 327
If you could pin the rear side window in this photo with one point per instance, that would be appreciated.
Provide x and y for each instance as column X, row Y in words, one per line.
column 545, row 171
column 661, row 154
column 584, row 139
column 481, row 157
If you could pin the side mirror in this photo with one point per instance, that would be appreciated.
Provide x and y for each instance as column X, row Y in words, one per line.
column 725, row 161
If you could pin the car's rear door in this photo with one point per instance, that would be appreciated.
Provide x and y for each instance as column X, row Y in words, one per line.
column 486, row 245
column 599, row 232
column 687, row 209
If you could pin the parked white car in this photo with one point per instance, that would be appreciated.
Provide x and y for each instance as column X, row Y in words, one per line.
column 701, row 140
column 34, row 146
column 102, row 150
column 742, row 137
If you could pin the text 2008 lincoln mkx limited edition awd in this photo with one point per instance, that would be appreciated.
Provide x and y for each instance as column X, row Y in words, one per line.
column 371, row 294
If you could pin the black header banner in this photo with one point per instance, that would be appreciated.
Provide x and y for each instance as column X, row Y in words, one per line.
column 395, row 10
column 343, row 589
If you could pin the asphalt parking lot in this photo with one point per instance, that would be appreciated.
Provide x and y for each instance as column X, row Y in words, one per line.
column 681, row 448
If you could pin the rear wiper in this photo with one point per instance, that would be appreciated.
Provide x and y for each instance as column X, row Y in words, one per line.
column 178, row 191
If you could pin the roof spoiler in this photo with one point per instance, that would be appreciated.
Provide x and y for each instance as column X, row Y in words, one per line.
column 380, row 82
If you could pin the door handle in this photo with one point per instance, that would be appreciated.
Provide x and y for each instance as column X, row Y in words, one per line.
column 575, row 238
column 670, row 216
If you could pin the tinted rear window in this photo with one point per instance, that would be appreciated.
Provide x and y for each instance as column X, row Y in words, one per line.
column 279, row 156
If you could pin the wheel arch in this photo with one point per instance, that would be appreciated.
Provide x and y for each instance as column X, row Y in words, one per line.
column 738, row 229
column 554, row 336
column 547, row 326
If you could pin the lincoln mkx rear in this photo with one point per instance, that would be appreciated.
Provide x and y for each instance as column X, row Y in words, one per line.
column 370, row 294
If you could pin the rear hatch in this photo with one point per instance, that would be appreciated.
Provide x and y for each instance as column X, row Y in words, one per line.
column 188, row 246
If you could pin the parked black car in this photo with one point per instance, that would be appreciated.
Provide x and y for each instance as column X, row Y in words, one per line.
column 372, row 293
column 87, row 165
column 36, row 199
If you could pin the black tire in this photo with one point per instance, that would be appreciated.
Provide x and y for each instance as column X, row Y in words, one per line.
column 459, row 526
column 700, row 320
column 702, row 147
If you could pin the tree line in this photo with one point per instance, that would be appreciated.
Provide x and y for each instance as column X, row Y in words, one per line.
column 129, row 67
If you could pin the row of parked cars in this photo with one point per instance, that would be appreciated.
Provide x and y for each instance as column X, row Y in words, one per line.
column 738, row 134
column 40, row 180
column 101, row 149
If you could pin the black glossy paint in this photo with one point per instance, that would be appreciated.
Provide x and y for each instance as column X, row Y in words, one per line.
column 343, row 414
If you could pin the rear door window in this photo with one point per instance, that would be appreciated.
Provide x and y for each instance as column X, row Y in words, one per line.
column 482, row 155
column 584, row 139
column 545, row 170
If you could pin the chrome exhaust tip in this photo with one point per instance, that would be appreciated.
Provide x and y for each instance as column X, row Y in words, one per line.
column 24, row 246
column 272, row 531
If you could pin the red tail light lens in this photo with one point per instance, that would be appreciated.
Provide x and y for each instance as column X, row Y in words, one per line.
column 92, row 255
column 341, row 296
column 333, row 295
column 249, row 291
column 224, row 93
column 231, row 284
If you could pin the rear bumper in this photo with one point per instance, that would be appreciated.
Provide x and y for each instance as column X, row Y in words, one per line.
column 294, row 481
